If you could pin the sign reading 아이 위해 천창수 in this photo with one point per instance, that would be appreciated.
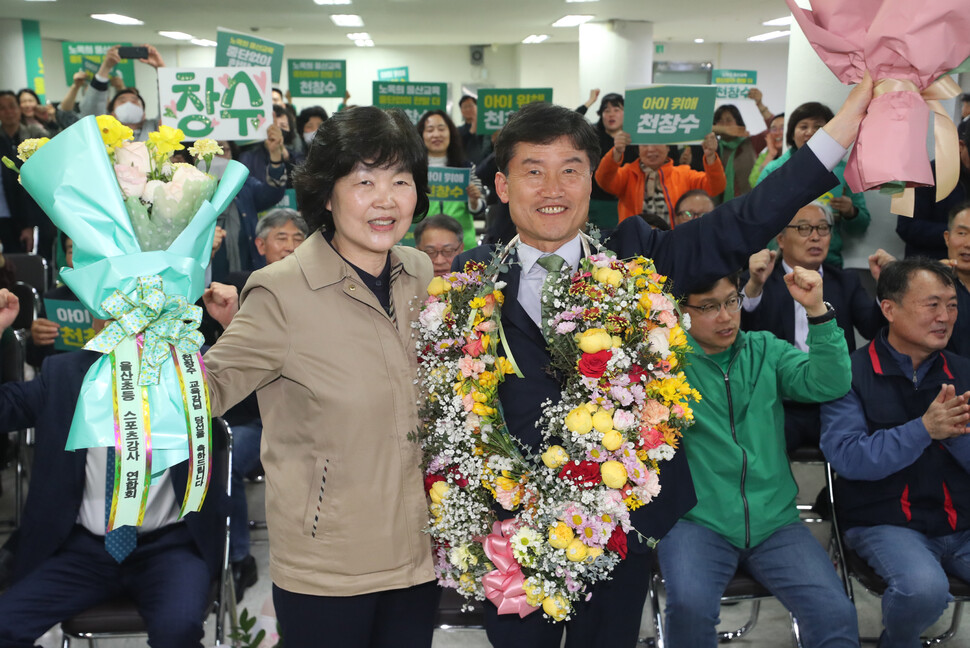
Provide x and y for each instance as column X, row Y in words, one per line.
column 75, row 326
column 496, row 105
column 414, row 99
column 668, row 114
column 448, row 183
column 219, row 103
column 393, row 74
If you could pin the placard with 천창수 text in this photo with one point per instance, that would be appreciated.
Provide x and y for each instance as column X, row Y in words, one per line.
column 73, row 321
column 448, row 183
column 236, row 49
column 496, row 105
column 219, row 103
column 316, row 78
column 414, row 99
column 733, row 84
column 669, row 114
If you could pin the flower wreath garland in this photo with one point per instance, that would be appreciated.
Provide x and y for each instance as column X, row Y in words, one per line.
column 616, row 346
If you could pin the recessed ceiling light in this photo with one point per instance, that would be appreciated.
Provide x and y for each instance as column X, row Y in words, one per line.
column 535, row 38
column 572, row 21
column 41, row 0
column 332, row 2
column 769, row 36
column 117, row 19
column 355, row 36
column 204, row 42
column 177, row 35
column 347, row 20
column 364, row 43
column 778, row 22
column 698, row 40
column 582, row 0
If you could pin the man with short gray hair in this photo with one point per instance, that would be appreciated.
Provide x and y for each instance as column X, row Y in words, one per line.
column 279, row 233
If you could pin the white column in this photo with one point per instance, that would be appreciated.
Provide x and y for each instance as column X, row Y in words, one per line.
column 614, row 56
column 13, row 72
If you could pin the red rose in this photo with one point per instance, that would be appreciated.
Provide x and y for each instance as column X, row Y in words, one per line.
column 458, row 478
column 636, row 373
column 585, row 474
column 593, row 365
column 617, row 542
column 429, row 481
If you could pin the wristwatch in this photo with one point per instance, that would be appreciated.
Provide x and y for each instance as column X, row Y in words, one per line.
column 824, row 317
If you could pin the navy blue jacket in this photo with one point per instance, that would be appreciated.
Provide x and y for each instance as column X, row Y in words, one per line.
column 931, row 495
column 696, row 253
column 57, row 480
column 854, row 307
column 923, row 233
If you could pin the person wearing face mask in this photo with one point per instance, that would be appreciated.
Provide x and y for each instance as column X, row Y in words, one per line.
column 850, row 211
column 127, row 105
column 308, row 122
column 260, row 157
column 239, row 251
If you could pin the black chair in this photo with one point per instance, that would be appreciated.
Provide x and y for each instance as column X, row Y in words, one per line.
column 452, row 614
column 31, row 269
column 29, row 305
column 120, row 618
column 12, row 361
column 856, row 567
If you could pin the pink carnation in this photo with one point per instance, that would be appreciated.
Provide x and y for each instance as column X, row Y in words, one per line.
column 470, row 367
column 652, row 437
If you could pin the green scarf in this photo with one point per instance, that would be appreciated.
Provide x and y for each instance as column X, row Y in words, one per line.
column 731, row 145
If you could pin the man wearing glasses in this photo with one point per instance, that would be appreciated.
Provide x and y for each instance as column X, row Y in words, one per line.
column 746, row 514
column 440, row 237
column 769, row 307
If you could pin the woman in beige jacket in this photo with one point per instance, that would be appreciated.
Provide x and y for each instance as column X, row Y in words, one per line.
column 324, row 337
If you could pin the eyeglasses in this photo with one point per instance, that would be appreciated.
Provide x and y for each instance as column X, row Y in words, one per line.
column 690, row 215
column 805, row 230
column 447, row 251
column 732, row 305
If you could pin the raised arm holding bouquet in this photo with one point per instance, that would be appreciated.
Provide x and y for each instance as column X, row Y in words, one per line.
column 142, row 229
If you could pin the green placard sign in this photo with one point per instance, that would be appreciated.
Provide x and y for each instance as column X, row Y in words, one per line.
column 33, row 57
column 733, row 84
column 448, row 183
column 668, row 114
column 393, row 74
column 415, row 99
column 235, row 49
column 317, row 78
column 74, row 321
column 88, row 57
column 496, row 105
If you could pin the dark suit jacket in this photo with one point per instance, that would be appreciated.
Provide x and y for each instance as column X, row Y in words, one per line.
column 854, row 307
column 696, row 253
column 57, row 480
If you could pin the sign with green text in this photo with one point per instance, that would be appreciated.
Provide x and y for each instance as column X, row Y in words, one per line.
column 668, row 114
column 74, row 322
column 88, row 57
column 221, row 103
column 414, row 99
column 496, row 105
column 317, row 78
column 393, row 74
column 734, row 84
column 448, row 183
column 235, row 49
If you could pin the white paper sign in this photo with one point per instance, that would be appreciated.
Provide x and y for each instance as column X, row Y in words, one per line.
column 221, row 103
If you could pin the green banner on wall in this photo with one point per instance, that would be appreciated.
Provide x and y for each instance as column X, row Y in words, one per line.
column 34, row 58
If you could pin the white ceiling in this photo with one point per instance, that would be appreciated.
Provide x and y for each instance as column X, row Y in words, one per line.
column 394, row 22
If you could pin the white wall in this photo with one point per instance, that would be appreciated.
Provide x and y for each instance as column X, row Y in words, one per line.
column 13, row 72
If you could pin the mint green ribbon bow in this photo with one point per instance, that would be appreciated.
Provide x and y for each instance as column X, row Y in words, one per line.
column 165, row 321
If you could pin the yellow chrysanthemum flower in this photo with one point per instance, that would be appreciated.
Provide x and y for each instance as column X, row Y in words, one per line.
column 113, row 132
column 167, row 139
column 30, row 146
column 205, row 147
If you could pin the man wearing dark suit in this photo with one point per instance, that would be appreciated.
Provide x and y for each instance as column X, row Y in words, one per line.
column 769, row 307
column 546, row 155
column 61, row 566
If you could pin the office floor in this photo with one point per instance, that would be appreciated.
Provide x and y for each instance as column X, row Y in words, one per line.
column 772, row 629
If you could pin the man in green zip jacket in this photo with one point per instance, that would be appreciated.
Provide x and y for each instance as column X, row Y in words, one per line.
column 745, row 513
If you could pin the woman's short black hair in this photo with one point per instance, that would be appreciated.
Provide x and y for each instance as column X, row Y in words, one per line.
column 612, row 99
column 543, row 123
column 363, row 135
column 31, row 93
column 729, row 108
column 810, row 110
column 456, row 152
column 306, row 114
column 124, row 91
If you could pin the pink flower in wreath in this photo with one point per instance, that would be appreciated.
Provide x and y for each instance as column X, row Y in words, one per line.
column 655, row 412
column 475, row 347
column 470, row 367
column 652, row 437
column 468, row 402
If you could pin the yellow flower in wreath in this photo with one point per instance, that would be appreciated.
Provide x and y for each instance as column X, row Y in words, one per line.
column 579, row 420
column 438, row 491
column 438, row 286
column 556, row 606
column 576, row 551
column 560, row 535
column 594, row 340
column 614, row 474
column 554, row 457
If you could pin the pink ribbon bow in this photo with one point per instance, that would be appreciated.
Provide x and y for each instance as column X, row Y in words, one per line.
column 503, row 585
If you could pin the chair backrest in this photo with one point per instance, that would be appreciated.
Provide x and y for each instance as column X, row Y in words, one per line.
column 31, row 269
column 12, row 357
column 29, row 305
